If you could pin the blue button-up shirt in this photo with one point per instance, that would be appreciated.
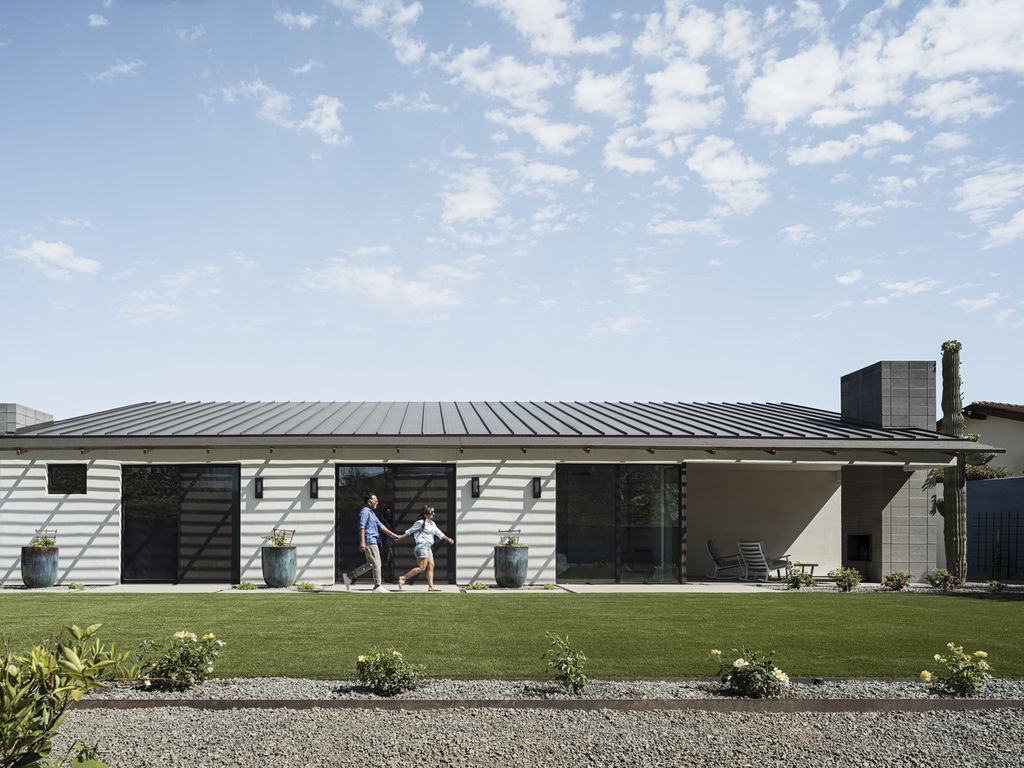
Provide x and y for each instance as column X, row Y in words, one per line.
column 368, row 520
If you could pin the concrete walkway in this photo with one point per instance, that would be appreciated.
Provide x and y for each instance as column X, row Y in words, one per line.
column 693, row 587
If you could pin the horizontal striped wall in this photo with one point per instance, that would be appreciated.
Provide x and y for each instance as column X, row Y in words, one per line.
column 506, row 501
column 286, row 504
column 88, row 526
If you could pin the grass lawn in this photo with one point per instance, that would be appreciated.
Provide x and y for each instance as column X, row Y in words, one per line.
column 624, row 635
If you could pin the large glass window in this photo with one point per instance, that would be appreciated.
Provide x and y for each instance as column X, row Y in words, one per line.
column 618, row 522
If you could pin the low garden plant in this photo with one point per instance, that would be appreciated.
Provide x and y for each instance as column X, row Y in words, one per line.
column 550, row 585
column 996, row 586
column 796, row 578
column 941, row 578
column 566, row 664
column 896, row 581
column 965, row 673
column 386, row 672
column 476, row 585
column 245, row 585
column 183, row 663
column 845, row 578
column 74, row 585
column 306, row 586
column 752, row 674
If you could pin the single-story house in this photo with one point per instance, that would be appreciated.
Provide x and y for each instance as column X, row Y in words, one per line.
column 999, row 424
column 601, row 491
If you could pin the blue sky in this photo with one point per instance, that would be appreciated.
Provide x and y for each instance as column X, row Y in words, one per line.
column 506, row 199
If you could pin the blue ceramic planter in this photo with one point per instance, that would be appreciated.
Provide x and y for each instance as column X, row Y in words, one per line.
column 510, row 566
column 279, row 566
column 39, row 566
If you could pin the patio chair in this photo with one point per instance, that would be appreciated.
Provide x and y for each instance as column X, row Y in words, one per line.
column 724, row 562
column 756, row 563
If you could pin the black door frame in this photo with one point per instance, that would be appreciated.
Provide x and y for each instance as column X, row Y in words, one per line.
column 236, row 526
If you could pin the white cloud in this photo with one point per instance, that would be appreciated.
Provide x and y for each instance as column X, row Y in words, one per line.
column 981, row 197
column 189, row 34
column 296, row 20
column 949, row 140
column 550, row 136
column 421, row 102
column 383, row 284
column 96, row 20
column 800, row 233
column 322, row 118
column 793, row 87
column 56, row 260
column 305, row 69
column 893, row 186
column 1001, row 234
column 545, row 173
column 637, row 285
column 119, row 69
column 605, row 94
column 807, row 15
column 392, row 19
column 662, row 225
column 72, row 222
column 549, row 27
column 849, row 278
column 954, row 100
column 617, row 153
column 506, row 78
column 146, row 306
column 683, row 29
column 617, row 326
column 681, row 99
column 471, row 197
column 900, row 159
column 899, row 289
column 830, row 116
column 975, row 305
column 734, row 179
column 834, row 150
column 852, row 214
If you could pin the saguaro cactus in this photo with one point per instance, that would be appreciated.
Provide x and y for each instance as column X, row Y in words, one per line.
column 954, row 478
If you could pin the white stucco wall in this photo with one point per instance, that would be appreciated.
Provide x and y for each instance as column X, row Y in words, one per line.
column 506, row 501
column 792, row 511
column 1001, row 433
column 88, row 526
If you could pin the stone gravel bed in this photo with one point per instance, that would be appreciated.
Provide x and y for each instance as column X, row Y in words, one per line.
column 533, row 737
column 275, row 688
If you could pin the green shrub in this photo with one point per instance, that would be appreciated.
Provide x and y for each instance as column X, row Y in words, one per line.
column 305, row 586
column 752, row 675
column 965, row 675
column 896, row 580
column 845, row 578
column 186, row 661
column 996, row 586
column 245, row 585
column 940, row 578
column 796, row 578
column 76, row 586
column 36, row 689
column 549, row 585
column 566, row 663
column 387, row 673
column 476, row 585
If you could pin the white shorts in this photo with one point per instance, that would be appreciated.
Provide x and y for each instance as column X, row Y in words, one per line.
column 422, row 551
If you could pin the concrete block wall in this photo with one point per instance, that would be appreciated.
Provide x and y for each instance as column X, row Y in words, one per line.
column 894, row 507
column 14, row 416
column 891, row 394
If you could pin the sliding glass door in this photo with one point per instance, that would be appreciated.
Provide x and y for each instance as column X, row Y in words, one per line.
column 618, row 523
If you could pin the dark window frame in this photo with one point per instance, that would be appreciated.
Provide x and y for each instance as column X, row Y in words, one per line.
column 64, row 467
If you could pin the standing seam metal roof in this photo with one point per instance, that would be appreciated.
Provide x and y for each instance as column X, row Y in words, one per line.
column 470, row 419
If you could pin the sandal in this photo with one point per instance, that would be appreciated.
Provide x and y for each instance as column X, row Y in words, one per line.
column 401, row 583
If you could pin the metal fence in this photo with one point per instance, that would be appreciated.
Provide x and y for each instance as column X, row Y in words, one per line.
column 995, row 529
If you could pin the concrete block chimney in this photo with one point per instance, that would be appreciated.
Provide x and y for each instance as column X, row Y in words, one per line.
column 14, row 416
column 892, row 394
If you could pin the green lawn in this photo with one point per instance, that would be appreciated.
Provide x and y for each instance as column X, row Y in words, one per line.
column 657, row 635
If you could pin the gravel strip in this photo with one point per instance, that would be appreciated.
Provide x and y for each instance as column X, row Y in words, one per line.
column 292, row 688
column 464, row 737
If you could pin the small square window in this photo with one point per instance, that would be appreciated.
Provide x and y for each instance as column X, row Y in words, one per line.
column 66, row 478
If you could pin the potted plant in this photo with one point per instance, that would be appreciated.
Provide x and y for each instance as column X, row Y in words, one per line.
column 510, row 560
column 279, row 562
column 40, row 558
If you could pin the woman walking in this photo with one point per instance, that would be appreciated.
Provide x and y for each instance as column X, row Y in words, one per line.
column 423, row 532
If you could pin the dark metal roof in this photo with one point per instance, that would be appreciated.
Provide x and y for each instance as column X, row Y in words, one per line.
column 478, row 422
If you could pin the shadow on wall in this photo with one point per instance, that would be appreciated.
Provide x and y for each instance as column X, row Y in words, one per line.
column 791, row 511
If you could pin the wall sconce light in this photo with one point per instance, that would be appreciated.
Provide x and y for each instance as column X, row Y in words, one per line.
column 536, row 487
column 314, row 488
column 259, row 488
column 474, row 487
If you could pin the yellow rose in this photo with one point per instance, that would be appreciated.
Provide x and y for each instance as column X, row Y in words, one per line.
column 926, row 676
column 208, row 637
column 937, row 657
column 741, row 663
column 715, row 652
column 362, row 658
column 981, row 654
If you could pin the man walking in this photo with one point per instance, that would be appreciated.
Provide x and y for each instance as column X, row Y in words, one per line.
column 370, row 528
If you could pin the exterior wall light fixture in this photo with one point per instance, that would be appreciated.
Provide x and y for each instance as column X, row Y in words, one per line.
column 536, row 487
column 474, row 487
column 314, row 488
column 258, row 489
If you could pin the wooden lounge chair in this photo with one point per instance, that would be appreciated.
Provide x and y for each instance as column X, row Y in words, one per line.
column 724, row 562
column 756, row 564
